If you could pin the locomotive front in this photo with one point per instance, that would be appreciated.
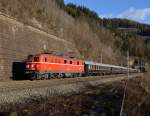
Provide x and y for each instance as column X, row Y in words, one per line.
column 46, row 66
column 33, row 66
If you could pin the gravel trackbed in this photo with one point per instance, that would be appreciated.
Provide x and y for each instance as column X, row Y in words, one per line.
column 15, row 92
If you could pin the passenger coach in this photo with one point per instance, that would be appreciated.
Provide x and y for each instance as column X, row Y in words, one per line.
column 93, row 69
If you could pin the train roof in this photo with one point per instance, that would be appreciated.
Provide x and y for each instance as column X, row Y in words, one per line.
column 101, row 64
column 57, row 56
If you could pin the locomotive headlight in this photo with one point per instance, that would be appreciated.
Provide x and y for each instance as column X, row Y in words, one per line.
column 27, row 66
column 32, row 65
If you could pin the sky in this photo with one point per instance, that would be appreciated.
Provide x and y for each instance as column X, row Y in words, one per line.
column 138, row 10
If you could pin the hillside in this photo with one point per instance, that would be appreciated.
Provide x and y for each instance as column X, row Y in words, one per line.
column 33, row 26
column 130, row 35
column 134, row 36
column 48, row 16
column 82, row 27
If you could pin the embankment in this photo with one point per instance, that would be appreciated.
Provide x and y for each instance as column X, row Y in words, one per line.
column 20, row 92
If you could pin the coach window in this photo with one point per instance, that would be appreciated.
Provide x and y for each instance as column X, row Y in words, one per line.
column 77, row 62
column 65, row 61
column 95, row 67
column 45, row 59
column 70, row 62
column 90, row 67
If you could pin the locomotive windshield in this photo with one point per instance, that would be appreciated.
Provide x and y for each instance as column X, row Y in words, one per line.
column 36, row 59
column 33, row 58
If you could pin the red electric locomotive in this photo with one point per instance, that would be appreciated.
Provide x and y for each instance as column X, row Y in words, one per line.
column 46, row 66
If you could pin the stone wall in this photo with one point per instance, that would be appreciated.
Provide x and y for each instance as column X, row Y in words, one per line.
column 18, row 40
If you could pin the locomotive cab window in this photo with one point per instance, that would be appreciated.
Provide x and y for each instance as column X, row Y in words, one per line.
column 70, row 62
column 36, row 59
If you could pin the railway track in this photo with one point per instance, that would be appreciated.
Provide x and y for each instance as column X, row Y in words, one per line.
column 22, row 92
column 26, row 84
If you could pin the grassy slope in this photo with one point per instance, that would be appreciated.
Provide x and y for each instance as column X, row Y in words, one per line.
column 130, row 35
column 45, row 14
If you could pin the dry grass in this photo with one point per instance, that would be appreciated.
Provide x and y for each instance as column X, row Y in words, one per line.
column 146, row 81
column 137, row 100
column 46, row 15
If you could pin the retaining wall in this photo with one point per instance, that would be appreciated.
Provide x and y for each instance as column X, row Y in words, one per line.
column 18, row 40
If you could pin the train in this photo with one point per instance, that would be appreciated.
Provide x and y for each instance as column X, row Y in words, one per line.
column 47, row 66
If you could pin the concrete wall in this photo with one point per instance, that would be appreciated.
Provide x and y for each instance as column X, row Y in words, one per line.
column 18, row 40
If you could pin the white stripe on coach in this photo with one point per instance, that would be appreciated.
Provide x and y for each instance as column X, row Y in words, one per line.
column 53, row 63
